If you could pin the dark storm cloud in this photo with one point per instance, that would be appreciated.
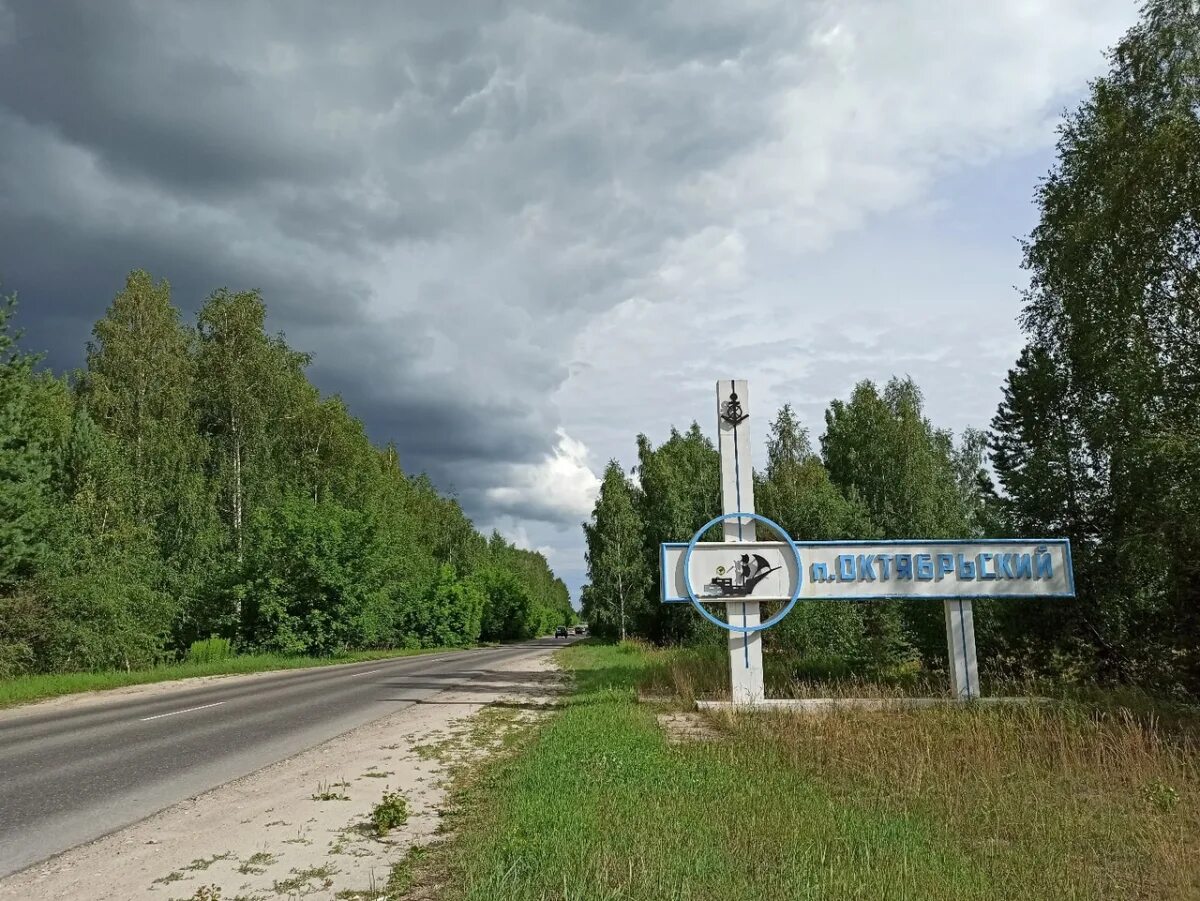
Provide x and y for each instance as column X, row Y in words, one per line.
column 442, row 201
column 107, row 77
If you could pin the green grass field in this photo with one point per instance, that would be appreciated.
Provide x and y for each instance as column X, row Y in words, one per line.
column 1035, row 802
column 24, row 689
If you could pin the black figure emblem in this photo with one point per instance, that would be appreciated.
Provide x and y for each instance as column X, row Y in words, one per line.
column 746, row 573
column 731, row 411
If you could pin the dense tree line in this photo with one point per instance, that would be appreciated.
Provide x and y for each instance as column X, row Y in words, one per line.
column 191, row 481
column 882, row 471
column 1097, row 438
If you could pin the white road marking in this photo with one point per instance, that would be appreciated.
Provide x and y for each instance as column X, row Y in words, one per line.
column 368, row 672
column 159, row 716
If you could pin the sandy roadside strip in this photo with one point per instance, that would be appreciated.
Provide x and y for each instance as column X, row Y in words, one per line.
column 266, row 836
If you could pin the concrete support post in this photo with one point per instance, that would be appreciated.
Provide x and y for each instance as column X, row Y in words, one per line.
column 960, row 640
column 737, row 496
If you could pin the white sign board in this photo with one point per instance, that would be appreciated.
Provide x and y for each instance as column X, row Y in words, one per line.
column 730, row 571
column 864, row 570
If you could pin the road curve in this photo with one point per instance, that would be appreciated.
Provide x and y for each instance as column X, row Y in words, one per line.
column 72, row 773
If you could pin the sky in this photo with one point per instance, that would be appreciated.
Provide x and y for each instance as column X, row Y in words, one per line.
column 516, row 234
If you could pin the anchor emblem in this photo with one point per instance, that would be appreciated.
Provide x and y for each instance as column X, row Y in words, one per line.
column 731, row 410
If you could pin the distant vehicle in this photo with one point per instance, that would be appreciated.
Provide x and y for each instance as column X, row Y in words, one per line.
column 560, row 632
column 579, row 630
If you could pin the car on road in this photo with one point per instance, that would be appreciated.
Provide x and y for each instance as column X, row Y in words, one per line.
column 560, row 632
column 579, row 630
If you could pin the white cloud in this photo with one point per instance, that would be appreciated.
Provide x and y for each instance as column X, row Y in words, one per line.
column 561, row 486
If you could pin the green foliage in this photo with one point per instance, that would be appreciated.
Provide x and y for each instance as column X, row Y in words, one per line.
column 311, row 580
column 509, row 610
column 25, row 461
column 1098, row 434
column 884, row 472
column 796, row 492
column 616, row 558
column 450, row 616
column 97, row 613
column 680, row 491
column 390, row 812
column 192, row 489
column 523, row 598
column 880, row 450
column 210, row 650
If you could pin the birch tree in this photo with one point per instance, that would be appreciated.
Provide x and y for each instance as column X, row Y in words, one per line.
column 615, row 553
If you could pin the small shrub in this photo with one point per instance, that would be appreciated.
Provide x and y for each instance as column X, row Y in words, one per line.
column 206, row 893
column 390, row 812
column 210, row 650
column 1162, row 796
column 255, row 863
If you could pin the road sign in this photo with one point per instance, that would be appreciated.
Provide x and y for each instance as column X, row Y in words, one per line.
column 742, row 572
column 870, row 570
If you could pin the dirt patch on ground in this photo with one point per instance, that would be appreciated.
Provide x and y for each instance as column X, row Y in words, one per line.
column 682, row 728
column 302, row 828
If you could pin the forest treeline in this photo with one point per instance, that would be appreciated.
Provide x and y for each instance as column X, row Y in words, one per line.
column 190, row 481
column 1097, row 438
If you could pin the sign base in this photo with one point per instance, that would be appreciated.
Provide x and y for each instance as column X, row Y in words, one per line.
column 745, row 654
column 829, row 705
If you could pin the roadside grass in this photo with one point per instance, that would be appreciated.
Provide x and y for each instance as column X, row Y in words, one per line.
column 691, row 673
column 24, row 689
column 1070, row 800
column 703, row 672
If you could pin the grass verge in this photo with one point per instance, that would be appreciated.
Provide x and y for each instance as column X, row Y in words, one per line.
column 24, row 689
column 1069, row 801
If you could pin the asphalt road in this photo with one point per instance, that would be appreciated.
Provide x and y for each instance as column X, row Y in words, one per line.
column 72, row 773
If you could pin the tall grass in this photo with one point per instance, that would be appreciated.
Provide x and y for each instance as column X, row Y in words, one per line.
column 210, row 650
column 694, row 673
column 1063, row 801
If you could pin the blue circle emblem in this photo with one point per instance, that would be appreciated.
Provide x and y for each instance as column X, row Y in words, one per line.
column 687, row 576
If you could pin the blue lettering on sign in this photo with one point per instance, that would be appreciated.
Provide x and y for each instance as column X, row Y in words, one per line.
column 984, row 566
column 845, row 564
column 866, row 567
column 1045, row 565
